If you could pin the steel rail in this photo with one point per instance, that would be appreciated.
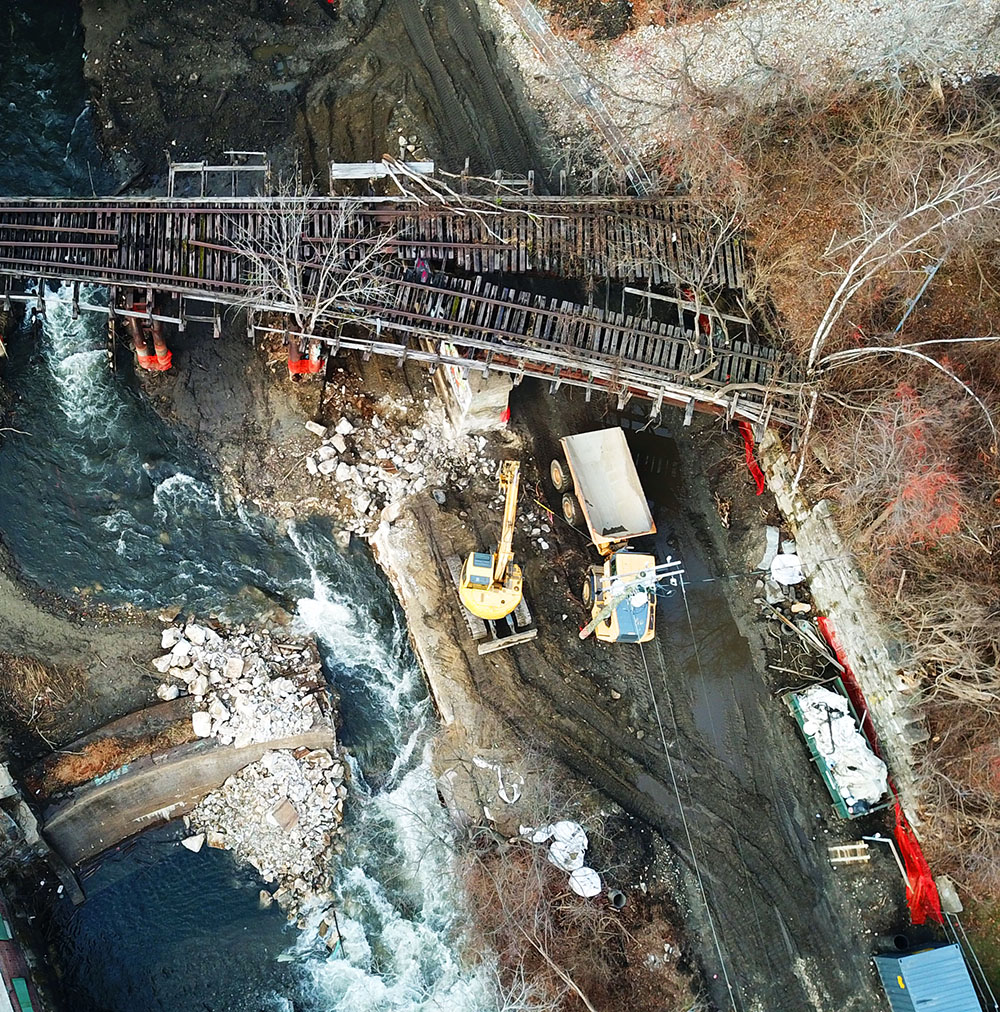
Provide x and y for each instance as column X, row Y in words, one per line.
column 522, row 354
column 593, row 321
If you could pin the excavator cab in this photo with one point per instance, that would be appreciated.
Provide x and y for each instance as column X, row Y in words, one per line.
column 490, row 586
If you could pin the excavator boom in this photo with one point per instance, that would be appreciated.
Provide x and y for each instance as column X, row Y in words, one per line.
column 510, row 478
column 490, row 585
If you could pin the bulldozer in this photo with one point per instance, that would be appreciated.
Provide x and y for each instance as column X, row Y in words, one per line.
column 490, row 586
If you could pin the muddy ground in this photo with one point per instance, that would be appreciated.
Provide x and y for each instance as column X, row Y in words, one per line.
column 291, row 79
column 745, row 817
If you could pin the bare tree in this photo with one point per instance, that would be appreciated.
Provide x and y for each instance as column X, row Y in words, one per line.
column 941, row 204
column 312, row 263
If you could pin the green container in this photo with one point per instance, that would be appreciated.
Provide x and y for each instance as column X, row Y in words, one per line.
column 791, row 700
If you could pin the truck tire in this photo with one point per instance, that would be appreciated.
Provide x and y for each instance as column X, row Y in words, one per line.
column 588, row 593
column 560, row 475
column 571, row 508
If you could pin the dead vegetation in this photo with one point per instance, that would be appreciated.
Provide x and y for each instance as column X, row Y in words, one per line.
column 586, row 20
column 555, row 950
column 874, row 215
column 67, row 768
column 34, row 695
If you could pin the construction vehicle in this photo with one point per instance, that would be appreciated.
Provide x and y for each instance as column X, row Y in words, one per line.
column 490, row 587
column 600, row 486
column 621, row 596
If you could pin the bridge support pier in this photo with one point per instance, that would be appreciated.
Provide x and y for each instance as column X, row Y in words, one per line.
column 474, row 402
column 308, row 364
column 146, row 331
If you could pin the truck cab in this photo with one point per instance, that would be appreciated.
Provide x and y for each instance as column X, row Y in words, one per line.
column 633, row 619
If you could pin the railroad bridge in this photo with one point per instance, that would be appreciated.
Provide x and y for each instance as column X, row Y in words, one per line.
column 638, row 297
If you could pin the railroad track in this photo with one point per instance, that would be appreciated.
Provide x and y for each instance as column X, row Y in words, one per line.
column 187, row 249
column 661, row 242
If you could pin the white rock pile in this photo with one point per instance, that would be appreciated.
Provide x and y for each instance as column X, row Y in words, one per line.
column 378, row 463
column 282, row 815
column 248, row 686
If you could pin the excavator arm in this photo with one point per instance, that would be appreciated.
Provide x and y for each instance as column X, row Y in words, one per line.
column 510, row 477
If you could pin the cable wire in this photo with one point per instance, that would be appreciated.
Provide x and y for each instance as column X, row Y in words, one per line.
column 687, row 828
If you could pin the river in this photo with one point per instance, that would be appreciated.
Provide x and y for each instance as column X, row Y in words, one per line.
column 104, row 499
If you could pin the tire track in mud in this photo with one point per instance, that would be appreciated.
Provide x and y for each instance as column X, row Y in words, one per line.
column 789, row 938
column 474, row 114
column 433, row 68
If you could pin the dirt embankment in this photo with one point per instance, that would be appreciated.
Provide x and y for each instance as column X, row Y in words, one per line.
column 292, row 80
column 84, row 674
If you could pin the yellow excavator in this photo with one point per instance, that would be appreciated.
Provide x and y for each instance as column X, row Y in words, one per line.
column 490, row 585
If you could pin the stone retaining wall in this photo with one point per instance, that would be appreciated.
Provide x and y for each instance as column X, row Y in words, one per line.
column 877, row 658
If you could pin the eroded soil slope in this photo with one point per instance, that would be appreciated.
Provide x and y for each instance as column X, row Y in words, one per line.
column 291, row 79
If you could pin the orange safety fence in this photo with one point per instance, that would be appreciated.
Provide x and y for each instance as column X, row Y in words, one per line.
column 758, row 475
column 921, row 892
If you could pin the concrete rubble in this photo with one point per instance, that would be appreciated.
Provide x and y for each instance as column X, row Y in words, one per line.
column 282, row 814
column 376, row 464
column 248, row 686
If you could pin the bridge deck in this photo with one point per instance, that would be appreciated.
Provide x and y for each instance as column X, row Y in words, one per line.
column 659, row 241
column 188, row 249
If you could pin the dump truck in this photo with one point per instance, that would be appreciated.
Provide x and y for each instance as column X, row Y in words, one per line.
column 601, row 487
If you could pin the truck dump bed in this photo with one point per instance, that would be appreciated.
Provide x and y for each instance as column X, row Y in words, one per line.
column 607, row 486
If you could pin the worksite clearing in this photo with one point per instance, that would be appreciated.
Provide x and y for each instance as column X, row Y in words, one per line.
column 580, row 574
column 684, row 732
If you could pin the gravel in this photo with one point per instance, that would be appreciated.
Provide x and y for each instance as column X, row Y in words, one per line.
column 648, row 79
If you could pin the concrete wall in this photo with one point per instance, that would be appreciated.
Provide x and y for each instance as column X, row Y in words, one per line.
column 877, row 658
column 474, row 402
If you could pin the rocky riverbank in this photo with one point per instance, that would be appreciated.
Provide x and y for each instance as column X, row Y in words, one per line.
column 372, row 466
column 282, row 814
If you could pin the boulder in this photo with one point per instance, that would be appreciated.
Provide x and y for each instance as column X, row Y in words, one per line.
column 283, row 815
column 201, row 723
column 339, row 443
column 166, row 692
column 195, row 634
column 316, row 429
column 217, row 711
column 328, row 466
column 181, row 648
column 311, row 466
column 233, row 668
column 163, row 663
column 198, row 686
column 343, row 472
column 170, row 636
column 344, row 427
column 194, row 843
